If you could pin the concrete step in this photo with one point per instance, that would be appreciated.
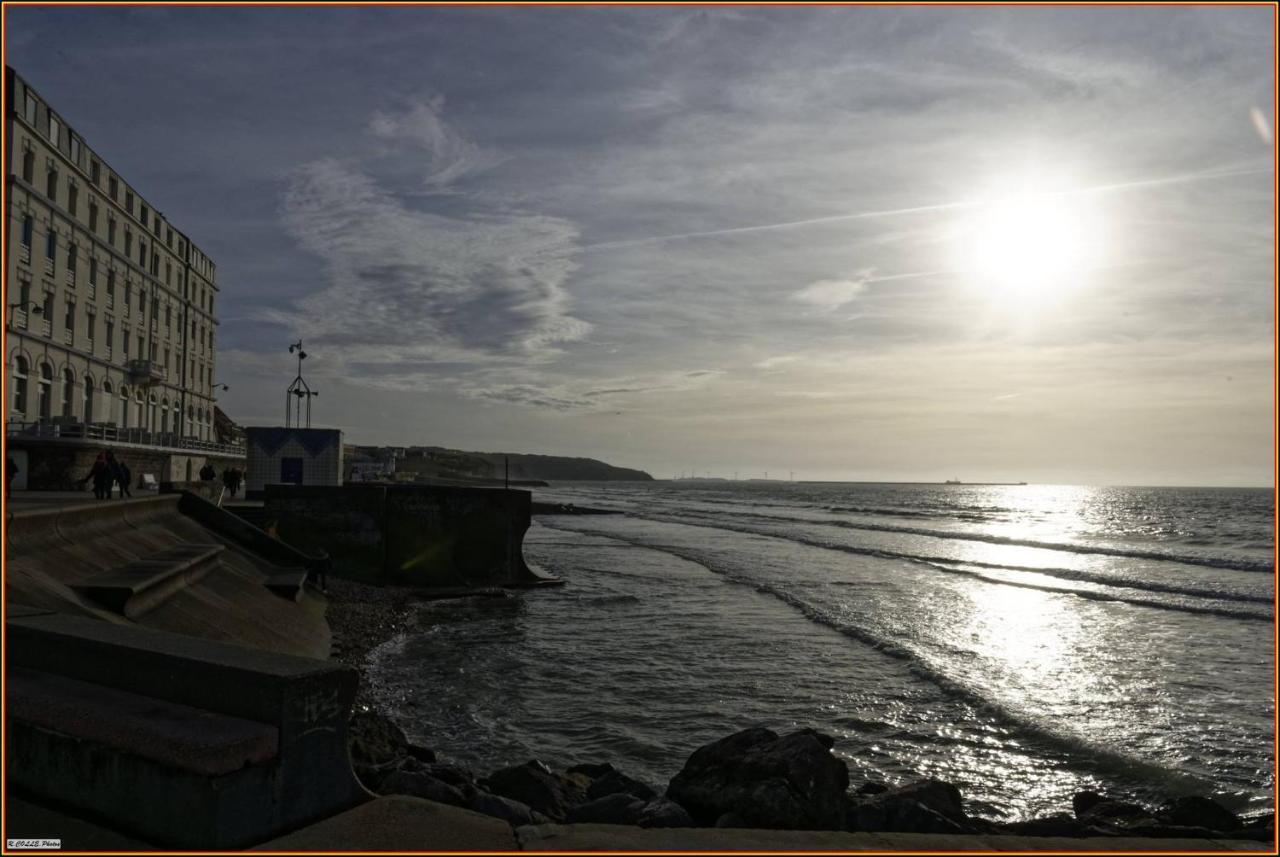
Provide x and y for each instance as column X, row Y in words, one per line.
column 135, row 589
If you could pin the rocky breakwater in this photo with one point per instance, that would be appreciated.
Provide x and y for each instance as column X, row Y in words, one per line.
column 757, row 779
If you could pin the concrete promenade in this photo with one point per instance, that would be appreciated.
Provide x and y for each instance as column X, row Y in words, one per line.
column 401, row 823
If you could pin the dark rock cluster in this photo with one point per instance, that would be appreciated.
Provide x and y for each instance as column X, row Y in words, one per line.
column 757, row 779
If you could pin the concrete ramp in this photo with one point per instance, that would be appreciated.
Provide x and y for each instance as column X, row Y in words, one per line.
column 174, row 562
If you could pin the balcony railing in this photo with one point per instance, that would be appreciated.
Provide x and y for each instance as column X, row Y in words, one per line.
column 144, row 372
column 48, row 266
column 20, row 318
column 99, row 433
column 24, row 254
column 68, row 337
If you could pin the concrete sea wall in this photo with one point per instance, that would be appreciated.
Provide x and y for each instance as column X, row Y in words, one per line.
column 426, row 535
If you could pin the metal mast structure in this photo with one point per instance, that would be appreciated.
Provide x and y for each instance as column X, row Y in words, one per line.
column 298, row 391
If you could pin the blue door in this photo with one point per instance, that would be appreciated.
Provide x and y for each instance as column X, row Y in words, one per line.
column 291, row 471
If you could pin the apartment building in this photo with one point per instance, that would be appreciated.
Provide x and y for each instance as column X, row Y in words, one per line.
column 111, row 309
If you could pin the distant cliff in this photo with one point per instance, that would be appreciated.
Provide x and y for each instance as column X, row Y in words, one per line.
column 454, row 463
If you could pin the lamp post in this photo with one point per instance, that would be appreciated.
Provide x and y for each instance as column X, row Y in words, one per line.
column 36, row 307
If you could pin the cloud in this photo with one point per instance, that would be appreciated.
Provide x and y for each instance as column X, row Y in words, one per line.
column 546, row 392
column 421, row 125
column 831, row 294
column 410, row 284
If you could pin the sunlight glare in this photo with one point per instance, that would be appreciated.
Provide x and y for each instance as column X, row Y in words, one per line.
column 1030, row 246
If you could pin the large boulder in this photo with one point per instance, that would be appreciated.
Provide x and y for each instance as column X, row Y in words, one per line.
column 423, row 785
column 664, row 812
column 374, row 740
column 1198, row 811
column 608, row 780
column 923, row 806
column 789, row 783
column 537, row 786
column 1095, row 809
column 511, row 811
column 617, row 808
column 1060, row 824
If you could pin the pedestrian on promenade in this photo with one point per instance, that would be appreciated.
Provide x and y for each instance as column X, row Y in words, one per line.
column 100, row 473
column 123, row 476
column 207, row 473
column 229, row 480
column 113, row 472
column 10, row 471
column 237, row 476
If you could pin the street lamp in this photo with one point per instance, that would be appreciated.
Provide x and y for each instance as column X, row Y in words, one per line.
column 223, row 387
column 36, row 307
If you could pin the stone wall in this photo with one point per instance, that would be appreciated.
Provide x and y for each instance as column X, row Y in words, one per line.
column 427, row 535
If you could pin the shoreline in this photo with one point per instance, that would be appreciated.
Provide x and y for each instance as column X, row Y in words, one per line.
column 364, row 616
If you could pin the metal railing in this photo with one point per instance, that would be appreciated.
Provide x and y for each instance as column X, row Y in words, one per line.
column 94, row 433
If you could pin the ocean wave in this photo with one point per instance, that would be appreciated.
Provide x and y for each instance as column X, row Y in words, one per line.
column 1231, row 563
column 1063, row 573
column 1075, row 750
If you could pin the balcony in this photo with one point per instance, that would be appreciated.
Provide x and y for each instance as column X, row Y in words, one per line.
column 111, row 300
column 46, row 326
column 68, row 337
column 70, row 278
column 24, row 254
column 21, row 319
column 144, row 372
column 95, row 434
column 48, row 267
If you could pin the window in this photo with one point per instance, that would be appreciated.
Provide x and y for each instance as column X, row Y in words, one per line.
column 50, row 243
column 95, row 170
column 111, row 231
column 128, row 243
column 157, row 226
column 28, row 166
column 93, row 271
column 113, row 187
column 93, row 216
column 124, row 344
column 107, row 401
column 110, row 336
column 144, row 214
column 28, row 227
column 168, row 315
column 128, row 201
column 73, row 198
column 51, row 186
column 46, row 392
column 20, row 385
column 141, row 347
column 168, row 272
column 68, row 393
column 31, row 110
column 71, row 258
column 111, row 287
column 142, row 254
column 124, row 407
column 55, row 131
column 91, row 326
column 128, row 297
column 69, row 320
column 48, row 313
column 86, row 414
column 155, row 264
column 75, row 150
column 24, row 301
column 166, row 359
column 168, row 237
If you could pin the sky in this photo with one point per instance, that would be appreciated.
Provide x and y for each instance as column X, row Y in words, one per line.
column 863, row 243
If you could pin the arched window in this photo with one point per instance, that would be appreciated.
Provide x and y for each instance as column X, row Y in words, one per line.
column 164, row 415
column 152, row 403
column 68, row 393
column 191, row 420
column 137, row 408
column 107, row 403
column 28, row 166
column 177, row 419
column 124, row 407
column 46, row 392
column 87, row 411
column 20, row 368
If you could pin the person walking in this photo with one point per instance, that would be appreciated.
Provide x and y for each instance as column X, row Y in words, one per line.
column 113, row 472
column 10, row 471
column 228, row 479
column 207, row 473
column 95, row 474
column 123, row 476
column 237, row 476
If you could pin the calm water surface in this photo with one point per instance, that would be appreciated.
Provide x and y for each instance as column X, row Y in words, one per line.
column 1024, row 642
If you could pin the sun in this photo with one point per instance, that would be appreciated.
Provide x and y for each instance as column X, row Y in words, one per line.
column 1029, row 247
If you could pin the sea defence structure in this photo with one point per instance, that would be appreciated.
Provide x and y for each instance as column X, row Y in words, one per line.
column 172, row 562
column 425, row 535
column 177, row 741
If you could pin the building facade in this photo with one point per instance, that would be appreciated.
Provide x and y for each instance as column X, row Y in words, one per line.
column 110, row 326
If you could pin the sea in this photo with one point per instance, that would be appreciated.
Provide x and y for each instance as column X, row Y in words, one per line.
column 1024, row 642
